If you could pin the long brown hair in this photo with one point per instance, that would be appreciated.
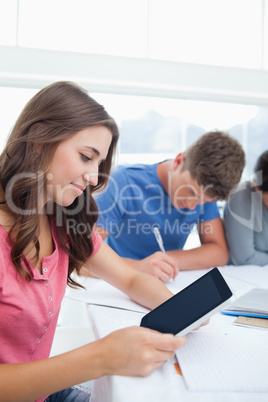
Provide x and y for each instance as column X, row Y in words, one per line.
column 54, row 114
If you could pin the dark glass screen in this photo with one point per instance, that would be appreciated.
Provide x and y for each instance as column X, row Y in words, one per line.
column 189, row 305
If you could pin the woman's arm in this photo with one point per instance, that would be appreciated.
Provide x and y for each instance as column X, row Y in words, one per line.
column 145, row 289
column 133, row 351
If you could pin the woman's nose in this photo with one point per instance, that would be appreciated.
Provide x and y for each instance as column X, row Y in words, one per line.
column 91, row 178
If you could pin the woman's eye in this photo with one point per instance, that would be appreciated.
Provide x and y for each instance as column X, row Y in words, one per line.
column 85, row 158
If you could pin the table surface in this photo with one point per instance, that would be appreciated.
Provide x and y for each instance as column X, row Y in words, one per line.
column 165, row 384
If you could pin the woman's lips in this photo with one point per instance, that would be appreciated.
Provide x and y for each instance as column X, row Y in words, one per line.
column 78, row 188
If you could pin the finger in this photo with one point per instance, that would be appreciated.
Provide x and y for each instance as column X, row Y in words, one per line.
column 171, row 261
column 165, row 268
column 169, row 342
column 171, row 264
column 163, row 276
column 201, row 325
column 177, row 270
column 153, row 366
column 164, row 342
column 160, row 256
column 160, row 273
column 164, row 356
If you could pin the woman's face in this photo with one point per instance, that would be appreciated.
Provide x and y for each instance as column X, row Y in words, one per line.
column 75, row 164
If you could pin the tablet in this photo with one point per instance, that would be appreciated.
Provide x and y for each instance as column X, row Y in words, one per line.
column 192, row 306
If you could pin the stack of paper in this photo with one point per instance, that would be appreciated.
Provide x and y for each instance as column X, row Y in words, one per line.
column 252, row 304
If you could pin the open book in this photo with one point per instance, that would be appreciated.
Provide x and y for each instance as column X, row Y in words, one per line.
column 252, row 304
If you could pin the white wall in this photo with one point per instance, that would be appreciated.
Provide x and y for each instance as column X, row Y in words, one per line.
column 35, row 68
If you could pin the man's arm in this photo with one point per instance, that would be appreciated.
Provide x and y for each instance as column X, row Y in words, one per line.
column 212, row 252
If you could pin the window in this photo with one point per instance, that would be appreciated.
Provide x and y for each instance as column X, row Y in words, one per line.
column 152, row 129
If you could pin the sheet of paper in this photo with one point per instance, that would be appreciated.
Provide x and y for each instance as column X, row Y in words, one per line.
column 185, row 278
column 252, row 274
column 99, row 292
column 225, row 362
column 102, row 293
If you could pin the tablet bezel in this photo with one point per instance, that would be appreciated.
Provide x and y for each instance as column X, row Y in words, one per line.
column 151, row 320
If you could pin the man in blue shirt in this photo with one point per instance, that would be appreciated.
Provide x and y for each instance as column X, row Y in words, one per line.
column 172, row 196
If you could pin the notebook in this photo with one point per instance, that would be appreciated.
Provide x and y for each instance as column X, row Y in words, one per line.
column 252, row 304
column 225, row 362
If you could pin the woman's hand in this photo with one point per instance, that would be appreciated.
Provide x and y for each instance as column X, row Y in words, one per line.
column 136, row 351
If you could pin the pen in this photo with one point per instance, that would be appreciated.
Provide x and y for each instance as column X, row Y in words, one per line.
column 159, row 241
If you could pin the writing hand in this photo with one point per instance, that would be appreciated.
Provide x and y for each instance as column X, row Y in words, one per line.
column 160, row 265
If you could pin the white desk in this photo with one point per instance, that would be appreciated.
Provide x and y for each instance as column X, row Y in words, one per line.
column 164, row 384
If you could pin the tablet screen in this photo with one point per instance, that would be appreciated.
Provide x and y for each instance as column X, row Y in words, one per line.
column 189, row 305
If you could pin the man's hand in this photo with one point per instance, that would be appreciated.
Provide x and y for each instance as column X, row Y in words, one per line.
column 158, row 264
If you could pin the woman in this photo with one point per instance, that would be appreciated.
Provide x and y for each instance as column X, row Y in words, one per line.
column 246, row 218
column 60, row 151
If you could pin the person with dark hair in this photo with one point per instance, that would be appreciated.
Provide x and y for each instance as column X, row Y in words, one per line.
column 172, row 196
column 59, row 152
column 246, row 218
